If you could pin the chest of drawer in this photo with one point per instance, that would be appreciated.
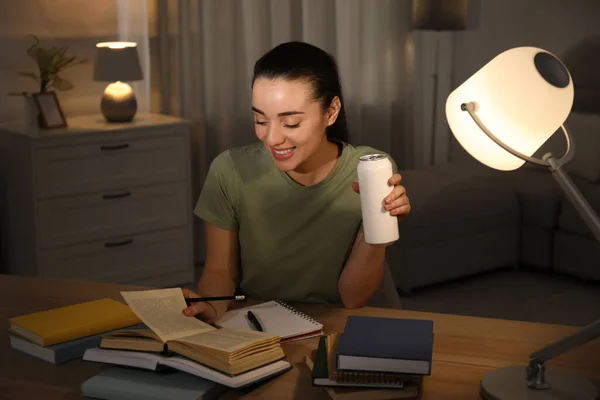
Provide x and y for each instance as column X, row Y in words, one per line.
column 120, row 259
column 105, row 165
column 89, row 217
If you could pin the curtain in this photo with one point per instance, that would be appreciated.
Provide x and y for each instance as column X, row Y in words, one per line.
column 133, row 26
column 202, row 55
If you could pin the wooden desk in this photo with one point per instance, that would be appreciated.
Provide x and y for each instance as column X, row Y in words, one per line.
column 465, row 348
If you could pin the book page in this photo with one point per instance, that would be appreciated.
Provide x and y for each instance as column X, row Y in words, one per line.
column 228, row 340
column 162, row 311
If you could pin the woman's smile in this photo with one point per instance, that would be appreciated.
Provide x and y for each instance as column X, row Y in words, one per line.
column 282, row 154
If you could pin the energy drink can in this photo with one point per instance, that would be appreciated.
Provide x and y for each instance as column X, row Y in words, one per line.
column 379, row 226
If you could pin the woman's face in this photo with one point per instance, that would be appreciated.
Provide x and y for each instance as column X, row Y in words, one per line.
column 289, row 122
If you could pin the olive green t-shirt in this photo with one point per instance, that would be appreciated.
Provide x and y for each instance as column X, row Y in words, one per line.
column 294, row 239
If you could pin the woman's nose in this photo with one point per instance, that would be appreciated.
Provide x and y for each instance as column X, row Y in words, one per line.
column 275, row 136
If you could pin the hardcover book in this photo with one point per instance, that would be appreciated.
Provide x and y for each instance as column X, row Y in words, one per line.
column 119, row 383
column 230, row 351
column 62, row 324
column 61, row 352
column 159, row 362
column 379, row 344
column 369, row 386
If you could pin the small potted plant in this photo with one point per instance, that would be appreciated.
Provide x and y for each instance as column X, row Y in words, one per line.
column 51, row 62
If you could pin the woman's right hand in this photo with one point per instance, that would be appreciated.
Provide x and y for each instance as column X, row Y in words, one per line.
column 202, row 310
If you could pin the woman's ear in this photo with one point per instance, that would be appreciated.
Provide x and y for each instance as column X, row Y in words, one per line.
column 333, row 111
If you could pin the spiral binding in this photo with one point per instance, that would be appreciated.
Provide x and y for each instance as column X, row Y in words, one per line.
column 297, row 312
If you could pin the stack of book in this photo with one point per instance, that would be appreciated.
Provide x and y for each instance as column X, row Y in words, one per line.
column 374, row 358
column 175, row 344
column 62, row 334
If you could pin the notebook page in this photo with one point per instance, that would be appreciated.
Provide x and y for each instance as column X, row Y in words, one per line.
column 273, row 317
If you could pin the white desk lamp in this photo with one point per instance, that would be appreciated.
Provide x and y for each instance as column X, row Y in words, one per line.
column 501, row 116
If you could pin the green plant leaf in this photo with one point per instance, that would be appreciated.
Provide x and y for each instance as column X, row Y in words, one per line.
column 51, row 60
column 61, row 84
column 29, row 74
column 75, row 62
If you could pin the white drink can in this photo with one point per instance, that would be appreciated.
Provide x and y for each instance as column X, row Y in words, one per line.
column 379, row 226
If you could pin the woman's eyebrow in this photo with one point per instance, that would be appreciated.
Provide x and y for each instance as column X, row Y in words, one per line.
column 281, row 114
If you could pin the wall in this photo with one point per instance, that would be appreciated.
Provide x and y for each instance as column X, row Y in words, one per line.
column 554, row 25
column 79, row 24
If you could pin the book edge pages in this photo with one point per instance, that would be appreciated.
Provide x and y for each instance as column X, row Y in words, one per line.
column 239, row 381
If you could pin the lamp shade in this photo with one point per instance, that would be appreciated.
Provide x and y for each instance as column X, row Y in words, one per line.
column 117, row 61
column 522, row 97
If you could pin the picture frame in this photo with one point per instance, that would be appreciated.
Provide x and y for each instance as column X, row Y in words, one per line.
column 51, row 115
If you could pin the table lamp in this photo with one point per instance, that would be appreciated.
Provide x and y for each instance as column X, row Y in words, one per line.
column 117, row 62
column 501, row 116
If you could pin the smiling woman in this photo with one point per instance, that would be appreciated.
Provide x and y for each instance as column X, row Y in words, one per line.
column 292, row 125
column 287, row 206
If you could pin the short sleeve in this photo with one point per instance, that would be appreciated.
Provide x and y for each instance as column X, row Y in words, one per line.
column 219, row 198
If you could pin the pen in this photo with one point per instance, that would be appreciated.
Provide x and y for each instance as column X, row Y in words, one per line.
column 199, row 299
column 254, row 321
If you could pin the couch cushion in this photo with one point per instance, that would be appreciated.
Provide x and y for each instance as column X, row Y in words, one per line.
column 569, row 219
column 536, row 247
column 576, row 255
column 448, row 205
column 538, row 193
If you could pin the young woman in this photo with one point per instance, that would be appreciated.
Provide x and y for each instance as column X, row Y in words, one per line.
column 282, row 216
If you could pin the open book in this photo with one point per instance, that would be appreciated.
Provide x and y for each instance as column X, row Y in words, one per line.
column 231, row 351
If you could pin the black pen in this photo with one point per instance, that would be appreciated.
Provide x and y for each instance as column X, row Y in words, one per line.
column 199, row 299
column 254, row 321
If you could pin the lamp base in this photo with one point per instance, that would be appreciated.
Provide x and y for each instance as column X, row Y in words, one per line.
column 510, row 383
column 118, row 103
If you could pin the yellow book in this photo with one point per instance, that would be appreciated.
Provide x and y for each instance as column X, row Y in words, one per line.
column 63, row 324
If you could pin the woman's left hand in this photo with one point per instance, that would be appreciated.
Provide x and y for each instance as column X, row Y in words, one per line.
column 397, row 201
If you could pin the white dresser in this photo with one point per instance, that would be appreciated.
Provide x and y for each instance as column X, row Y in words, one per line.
column 99, row 201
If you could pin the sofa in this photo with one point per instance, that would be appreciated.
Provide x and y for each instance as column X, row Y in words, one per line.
column 467, row 218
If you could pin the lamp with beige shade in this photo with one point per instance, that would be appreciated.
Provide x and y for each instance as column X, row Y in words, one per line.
column 118, row 63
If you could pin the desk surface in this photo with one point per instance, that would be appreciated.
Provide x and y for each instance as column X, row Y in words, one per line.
column 465, row 348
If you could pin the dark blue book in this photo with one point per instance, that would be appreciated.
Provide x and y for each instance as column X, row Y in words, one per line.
column 61, row 352
column 120, row 383
column 386, row 345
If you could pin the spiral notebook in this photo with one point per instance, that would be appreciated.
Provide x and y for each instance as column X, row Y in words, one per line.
column 276, row 317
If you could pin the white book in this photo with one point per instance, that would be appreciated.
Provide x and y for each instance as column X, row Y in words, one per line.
column 155, row 361
column 277, row 318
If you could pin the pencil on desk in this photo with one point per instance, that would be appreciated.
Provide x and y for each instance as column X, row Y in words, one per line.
column 199, row 299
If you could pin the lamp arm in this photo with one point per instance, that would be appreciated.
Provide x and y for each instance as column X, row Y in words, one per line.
column 582, row 206
column 536, row 369
column 587, row 213
column 539, row 357
column 471, row 109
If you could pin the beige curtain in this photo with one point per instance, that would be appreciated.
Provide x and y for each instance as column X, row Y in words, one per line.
column 203, row 52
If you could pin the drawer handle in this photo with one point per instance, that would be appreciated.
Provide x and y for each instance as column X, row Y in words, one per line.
column 118, row 244
column 115, row 196
column 114, row 147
